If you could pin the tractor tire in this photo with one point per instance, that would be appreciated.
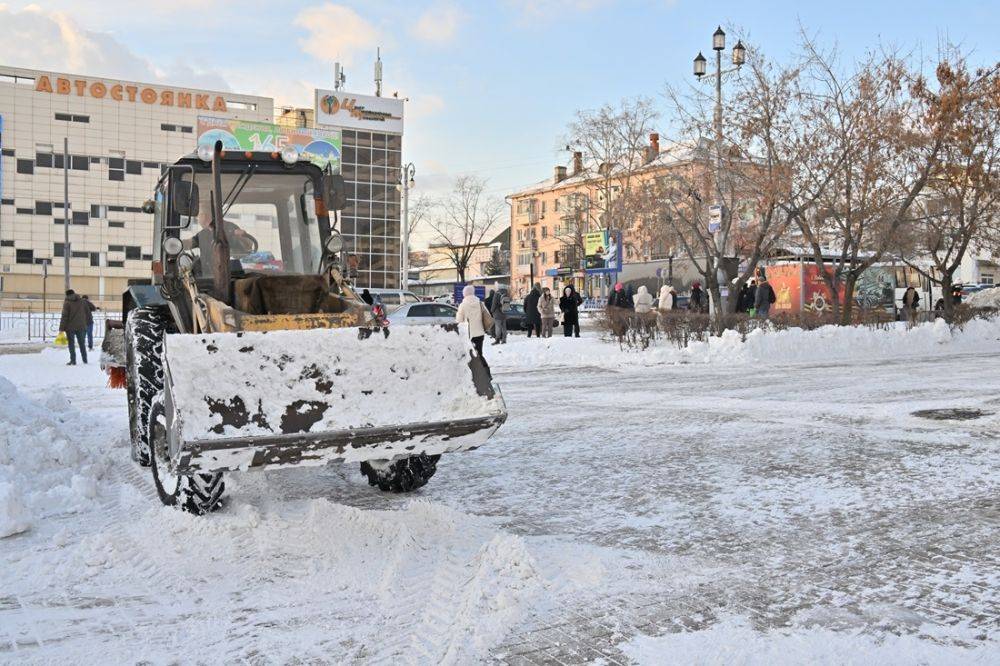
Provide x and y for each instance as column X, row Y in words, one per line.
column 144, row 333
column 196, row 493
column 401, row 476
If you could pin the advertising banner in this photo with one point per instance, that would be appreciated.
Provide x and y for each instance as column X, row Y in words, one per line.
column 602, row 251
column 345, row 110
column 319, row 146
column 800, row 287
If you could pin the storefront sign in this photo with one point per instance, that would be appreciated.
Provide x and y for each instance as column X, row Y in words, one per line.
column 319, row 146
column 337, row 108
column 127, row 92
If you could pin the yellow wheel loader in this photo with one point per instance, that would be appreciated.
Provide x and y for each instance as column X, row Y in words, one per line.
column 248, row 348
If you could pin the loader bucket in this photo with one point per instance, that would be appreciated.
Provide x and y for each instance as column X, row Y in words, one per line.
column 283, row 398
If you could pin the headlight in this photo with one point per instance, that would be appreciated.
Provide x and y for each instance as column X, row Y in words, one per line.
column 290, row 154
column 173, row 246
column 185, row 261
column 335, row 243
column 205, row 152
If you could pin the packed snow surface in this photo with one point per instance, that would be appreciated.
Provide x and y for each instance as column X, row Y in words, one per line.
column 772, row 501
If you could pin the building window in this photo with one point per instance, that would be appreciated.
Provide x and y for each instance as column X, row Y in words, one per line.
column 64, row 116
column 116, row 174
column 57, row 249
column 6, row 243
column 545, row 232
column 24, row 256
column 187, row 129
column 133, row 252
column 95, row 258
column 98, row 211
column 116, row 264
column 167, row 127
column 116, row 225
column 18, row 79
column 25, row 167
column 7, row 152
column 80, row 217
column 43, row 159
column 81, row 119
column 116, row 162
column 79, row 163
column 72, row 118
column 116, row 248
column 7, row 202
column 25, row 211
column 986, row 278
column 43, row 208
column 133, row 167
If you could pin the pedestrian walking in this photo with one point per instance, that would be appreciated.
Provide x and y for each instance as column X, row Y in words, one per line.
column 763, row 298
column 547, row 312
column 501, row 303
column 531, row 310
column 73, row 323
column 569, row 305
column 90, row 321
column 697, row 301
column 665, row 300
column 911, row 305
column 473, row 312
column 366, row 296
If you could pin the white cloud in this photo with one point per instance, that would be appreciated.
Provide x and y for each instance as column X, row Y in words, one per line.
column 336, row 33
column 36, row 38
column 438, row 24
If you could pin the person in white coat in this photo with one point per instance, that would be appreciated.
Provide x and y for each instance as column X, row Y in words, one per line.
column 666, row 302
column 643, row 301
column 474, row 313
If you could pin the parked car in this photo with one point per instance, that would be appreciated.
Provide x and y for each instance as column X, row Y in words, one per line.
column 391, row 299
column 517, row 320
column 416, row 314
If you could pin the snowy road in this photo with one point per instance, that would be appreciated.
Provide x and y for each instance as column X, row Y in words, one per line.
column 724, row 513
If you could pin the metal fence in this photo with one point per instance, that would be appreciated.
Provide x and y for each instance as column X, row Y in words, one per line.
column 36, row 326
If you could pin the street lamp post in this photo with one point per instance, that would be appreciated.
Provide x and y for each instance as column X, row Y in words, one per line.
column 739, row 57
column 406, row 181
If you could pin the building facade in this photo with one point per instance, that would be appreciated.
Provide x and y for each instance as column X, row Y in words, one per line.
column 121, row 134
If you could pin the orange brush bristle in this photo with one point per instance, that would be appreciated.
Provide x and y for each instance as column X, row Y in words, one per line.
column 116, row 378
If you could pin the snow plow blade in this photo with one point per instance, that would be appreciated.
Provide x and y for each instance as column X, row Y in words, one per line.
column 237, row 401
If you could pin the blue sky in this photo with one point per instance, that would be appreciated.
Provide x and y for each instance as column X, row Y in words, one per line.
column 492, row 84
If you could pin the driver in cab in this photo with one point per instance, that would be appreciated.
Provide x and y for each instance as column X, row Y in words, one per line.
column 239, row 240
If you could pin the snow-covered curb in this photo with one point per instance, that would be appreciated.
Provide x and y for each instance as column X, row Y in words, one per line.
column 829, row 344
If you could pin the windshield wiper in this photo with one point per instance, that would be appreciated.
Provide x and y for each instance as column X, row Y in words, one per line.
column 240, row 183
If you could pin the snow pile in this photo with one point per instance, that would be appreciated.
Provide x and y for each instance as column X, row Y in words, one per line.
column 987, row 298
column 733, row 641
column 43, row 470
column 828, row 344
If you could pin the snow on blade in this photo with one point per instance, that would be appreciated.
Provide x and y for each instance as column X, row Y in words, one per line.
column 285, row 382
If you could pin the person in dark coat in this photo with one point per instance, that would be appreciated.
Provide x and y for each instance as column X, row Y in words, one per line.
column 90, row 321
column 697, row 301
column 764, row 298
column 73, row 323
column 531, row 310
column 366, row 296
column 744, row 302
column 569, row 305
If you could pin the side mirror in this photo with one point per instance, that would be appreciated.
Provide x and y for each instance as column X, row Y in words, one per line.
column 149, row 206
column 334, row 191
column 185, row 198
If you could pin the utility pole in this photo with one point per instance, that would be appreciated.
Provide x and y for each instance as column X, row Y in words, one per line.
column 66, row 247
column 406, row 181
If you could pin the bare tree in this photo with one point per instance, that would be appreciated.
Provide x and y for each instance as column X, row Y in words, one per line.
column 613, row 140
column 961, row 208
column 420, row 209
column 463, row 220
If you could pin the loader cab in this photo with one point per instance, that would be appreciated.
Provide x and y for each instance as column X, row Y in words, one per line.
column 283, row 249
column 274, row 216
